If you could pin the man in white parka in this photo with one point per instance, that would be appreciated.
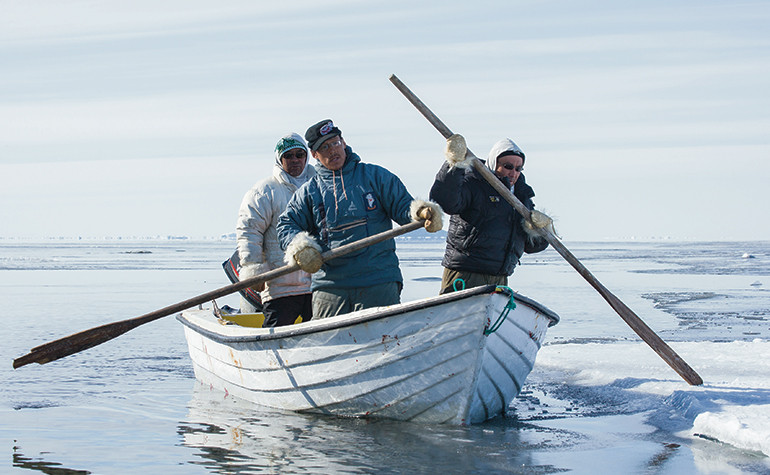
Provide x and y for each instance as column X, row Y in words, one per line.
column 287, row 297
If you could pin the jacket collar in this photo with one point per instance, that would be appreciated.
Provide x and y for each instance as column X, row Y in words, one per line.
column 282, row 177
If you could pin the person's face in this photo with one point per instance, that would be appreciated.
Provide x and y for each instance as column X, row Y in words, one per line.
column 293, row 161
column 509, row 166
column 332, row 153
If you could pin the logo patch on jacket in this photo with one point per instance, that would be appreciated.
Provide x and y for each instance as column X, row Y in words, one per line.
column 494, row 199
column 371, row 204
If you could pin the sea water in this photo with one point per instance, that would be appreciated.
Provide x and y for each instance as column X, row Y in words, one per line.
column 598, row 401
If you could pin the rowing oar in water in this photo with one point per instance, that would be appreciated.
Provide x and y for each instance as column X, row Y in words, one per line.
column 95, row 336
column 636, row 323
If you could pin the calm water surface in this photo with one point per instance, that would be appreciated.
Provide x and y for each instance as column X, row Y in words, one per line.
column 133, row 404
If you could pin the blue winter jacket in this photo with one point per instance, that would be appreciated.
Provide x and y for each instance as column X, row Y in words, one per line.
column 344, row 206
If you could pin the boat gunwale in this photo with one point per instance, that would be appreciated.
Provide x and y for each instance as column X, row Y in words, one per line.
column 337, row 323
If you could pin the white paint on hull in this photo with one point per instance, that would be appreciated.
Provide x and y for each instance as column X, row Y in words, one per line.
column 430, row 364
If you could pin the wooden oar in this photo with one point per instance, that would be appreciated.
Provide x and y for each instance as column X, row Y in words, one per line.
column 95, row 336
column 636, row 323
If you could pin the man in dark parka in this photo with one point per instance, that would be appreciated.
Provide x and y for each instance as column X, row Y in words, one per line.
column 486, row 236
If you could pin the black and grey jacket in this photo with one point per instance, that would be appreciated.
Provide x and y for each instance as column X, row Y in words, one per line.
column 486, row 235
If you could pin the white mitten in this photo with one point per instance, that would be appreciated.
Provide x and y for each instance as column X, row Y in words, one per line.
column 456, row 152
column 252, row 270
column 428, row 211
column 538, row 221
column 305, row 252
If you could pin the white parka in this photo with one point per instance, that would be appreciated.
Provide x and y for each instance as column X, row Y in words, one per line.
column 256, row 236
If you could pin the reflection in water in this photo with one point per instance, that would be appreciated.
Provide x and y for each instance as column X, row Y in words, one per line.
column 51, row 468
column 234, row 436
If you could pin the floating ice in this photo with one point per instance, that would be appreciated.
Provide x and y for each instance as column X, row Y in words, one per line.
column 732, row 406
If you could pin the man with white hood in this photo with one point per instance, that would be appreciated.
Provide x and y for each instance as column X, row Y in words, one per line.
column 287, row 297
column 486, row 236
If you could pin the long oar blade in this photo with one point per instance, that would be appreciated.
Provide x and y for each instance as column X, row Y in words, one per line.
column 86, row 339
column 78, row 342
column 637, row 324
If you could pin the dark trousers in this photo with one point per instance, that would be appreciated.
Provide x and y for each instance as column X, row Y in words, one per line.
column 285, row 310
column 453, row 280
column 330, row 302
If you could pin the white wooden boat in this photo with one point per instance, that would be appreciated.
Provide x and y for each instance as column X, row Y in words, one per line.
column 432, row 360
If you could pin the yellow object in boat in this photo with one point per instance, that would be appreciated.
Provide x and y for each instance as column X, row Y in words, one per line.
column 251, row 320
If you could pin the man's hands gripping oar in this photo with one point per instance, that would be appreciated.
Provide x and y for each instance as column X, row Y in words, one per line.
column 636, row 323
column 95, row 336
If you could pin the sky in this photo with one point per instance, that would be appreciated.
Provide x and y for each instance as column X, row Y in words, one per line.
column 639, row 120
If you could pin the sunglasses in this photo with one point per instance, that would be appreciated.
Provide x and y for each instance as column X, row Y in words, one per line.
column 295, row 155
column 509, row 166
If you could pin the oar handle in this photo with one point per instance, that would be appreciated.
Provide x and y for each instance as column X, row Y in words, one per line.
column 446, row 132
column 637, row 324
column 78, row 342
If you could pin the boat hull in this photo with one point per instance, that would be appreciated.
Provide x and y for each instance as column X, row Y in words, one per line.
column 427, row 361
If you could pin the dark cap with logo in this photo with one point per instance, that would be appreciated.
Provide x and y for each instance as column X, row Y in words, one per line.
column 319, row 133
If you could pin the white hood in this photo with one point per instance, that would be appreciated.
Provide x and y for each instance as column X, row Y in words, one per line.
column 504, row 145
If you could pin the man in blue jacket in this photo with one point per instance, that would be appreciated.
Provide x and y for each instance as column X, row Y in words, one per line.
column 346, row 201
column 486, row 236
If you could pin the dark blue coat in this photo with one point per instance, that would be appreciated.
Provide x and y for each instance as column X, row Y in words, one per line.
column 486, row 235
column 344, row 206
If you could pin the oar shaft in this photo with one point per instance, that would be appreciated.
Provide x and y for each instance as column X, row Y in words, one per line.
column 95, row 336
column 637, row 324
column 78, row 342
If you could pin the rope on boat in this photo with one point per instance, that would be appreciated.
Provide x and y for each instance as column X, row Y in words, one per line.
column 504, row 314
column 454, row 284
column 218, row 313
